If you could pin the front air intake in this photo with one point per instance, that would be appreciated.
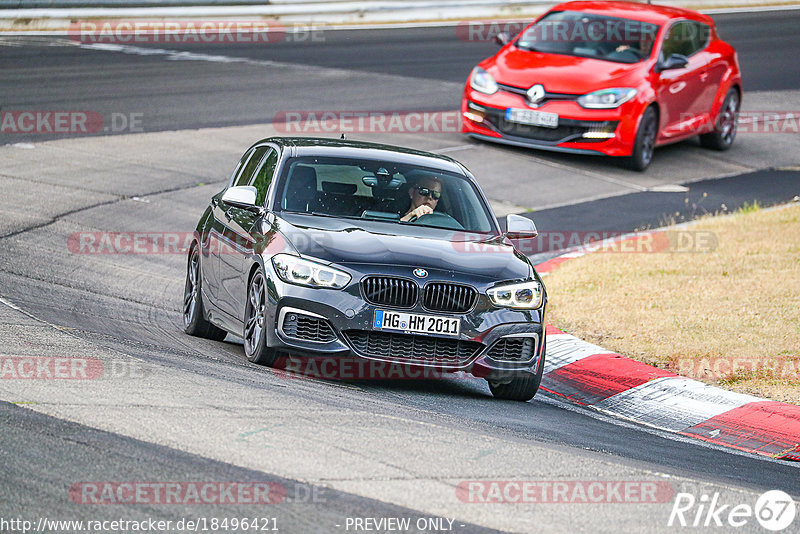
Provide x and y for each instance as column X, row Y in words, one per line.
column 390, row 291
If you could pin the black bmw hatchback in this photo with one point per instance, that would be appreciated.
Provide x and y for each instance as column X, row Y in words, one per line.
column 340, row 249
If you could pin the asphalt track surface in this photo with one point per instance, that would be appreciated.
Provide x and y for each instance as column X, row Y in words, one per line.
column 81, row 451
column 646, row 210
column 198, row 410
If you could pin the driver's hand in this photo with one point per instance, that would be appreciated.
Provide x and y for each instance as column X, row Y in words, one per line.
column 422, row 210
column 416, row 213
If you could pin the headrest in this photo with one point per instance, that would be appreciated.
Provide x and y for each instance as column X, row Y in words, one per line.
column 304, row 177
column 338, row 188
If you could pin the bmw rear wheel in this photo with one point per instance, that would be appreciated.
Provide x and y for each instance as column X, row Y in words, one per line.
column 194, row 321
column 255, row 336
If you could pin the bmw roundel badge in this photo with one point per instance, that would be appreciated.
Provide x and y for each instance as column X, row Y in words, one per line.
column 420, row 273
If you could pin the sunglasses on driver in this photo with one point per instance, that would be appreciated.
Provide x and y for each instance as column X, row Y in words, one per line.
column 427, row 192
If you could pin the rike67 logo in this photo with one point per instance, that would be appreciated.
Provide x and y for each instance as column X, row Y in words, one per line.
column 774, row 510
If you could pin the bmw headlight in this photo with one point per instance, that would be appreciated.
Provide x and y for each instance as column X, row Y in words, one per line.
column 482, row 81
column 526, row 295
column 298, row 271
column 606, row 98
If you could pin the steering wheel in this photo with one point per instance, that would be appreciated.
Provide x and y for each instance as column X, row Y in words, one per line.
column 438, row 219
column 628, row 55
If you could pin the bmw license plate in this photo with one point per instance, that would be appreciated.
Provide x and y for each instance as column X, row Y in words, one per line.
column 419, row 324
column 532, row 118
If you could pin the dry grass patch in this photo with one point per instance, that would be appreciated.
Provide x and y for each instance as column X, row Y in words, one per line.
column 730, row 317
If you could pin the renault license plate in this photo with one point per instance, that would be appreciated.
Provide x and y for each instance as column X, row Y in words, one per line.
column 532, row 118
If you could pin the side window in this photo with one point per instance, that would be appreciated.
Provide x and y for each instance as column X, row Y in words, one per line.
column 686, row 38
column 702, row 36
column 239, row 166
column 264, row 176
column 247, row 170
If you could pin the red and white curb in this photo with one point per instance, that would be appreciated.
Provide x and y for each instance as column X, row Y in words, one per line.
column 591, row 376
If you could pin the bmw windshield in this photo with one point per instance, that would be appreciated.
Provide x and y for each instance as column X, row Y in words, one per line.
column 384, row 191
column 579, row 34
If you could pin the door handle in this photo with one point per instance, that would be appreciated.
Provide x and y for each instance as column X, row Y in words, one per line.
column 703, row 76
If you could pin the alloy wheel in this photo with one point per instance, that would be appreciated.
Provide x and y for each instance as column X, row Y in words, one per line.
column 190, row 290
column 728, row 119
column 254, row 316
column 648, row 137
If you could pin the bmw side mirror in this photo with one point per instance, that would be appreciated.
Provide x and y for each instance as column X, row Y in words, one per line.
column 502, row 38
column 241, row 196
column 675, row 61
column 518, row 227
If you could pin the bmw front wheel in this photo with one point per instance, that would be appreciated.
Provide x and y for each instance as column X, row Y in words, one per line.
column 255, row 336
column 521, row 387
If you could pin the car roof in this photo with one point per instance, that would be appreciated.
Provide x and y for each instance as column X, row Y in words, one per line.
column 326, row 147
column 655, row 14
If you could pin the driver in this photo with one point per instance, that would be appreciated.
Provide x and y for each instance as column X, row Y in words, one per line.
column 424, row 197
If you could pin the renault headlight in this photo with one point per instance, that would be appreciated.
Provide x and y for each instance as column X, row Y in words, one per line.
column 606, row 98
column 298, row 271
column 482, row 81
column 526, row 295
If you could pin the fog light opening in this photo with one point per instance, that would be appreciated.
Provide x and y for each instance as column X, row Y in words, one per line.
column 474, row 116
column 606, row 131
column 475, row 113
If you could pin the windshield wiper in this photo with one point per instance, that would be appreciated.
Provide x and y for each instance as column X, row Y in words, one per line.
column 320, row 214
column 330, row 215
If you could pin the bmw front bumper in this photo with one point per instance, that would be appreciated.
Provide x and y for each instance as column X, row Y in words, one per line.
column 493, row 341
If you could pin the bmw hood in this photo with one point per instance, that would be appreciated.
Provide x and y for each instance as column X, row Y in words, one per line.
column 560, row 73
column 344, row 242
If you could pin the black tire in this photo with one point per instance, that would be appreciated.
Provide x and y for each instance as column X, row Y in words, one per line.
column 254, row 335
column 725, row 125
column 645, row 143
column 523, row 387
column 194, row 319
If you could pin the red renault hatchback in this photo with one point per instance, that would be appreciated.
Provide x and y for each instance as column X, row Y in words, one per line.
column 614, row 78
